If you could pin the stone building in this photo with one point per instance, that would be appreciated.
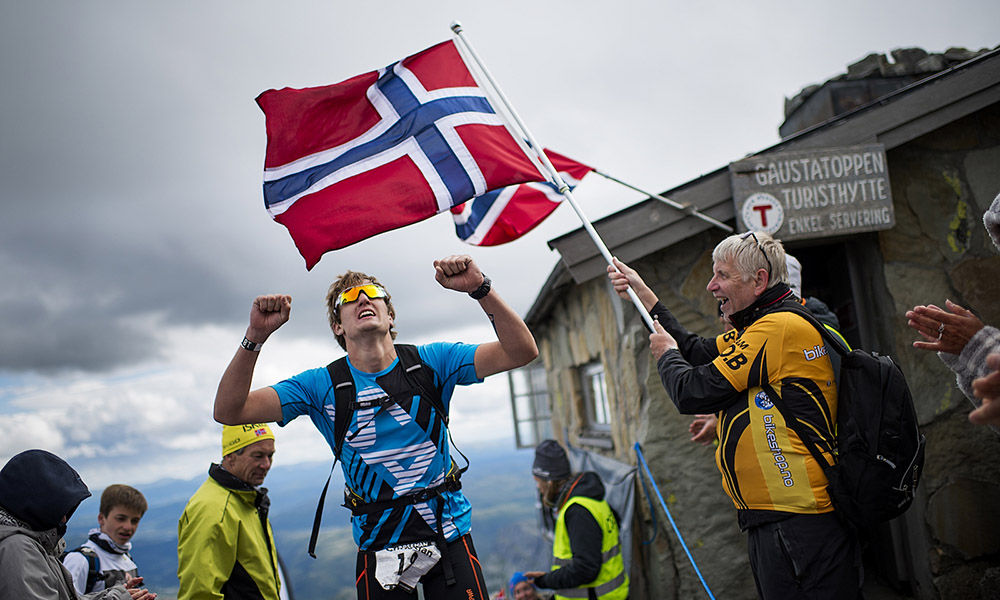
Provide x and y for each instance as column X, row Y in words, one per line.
column 933, row 122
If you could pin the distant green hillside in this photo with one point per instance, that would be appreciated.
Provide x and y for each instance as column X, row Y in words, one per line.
column 499, row 485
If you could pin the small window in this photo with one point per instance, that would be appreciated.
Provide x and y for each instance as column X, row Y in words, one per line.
column 529, row 399
column 597, row 429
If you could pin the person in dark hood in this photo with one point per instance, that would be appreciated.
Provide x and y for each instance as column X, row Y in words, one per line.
column 39, row 492
column 586, row 550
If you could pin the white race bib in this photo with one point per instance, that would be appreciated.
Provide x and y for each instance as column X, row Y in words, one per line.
column 404, row 565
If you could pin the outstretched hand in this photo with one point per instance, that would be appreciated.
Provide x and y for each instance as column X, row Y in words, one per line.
column 132, row 586
column 458, row 272
column 943, row 331
column 267, row 315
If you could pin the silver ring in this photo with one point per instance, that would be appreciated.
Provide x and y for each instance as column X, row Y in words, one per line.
column 940, row 331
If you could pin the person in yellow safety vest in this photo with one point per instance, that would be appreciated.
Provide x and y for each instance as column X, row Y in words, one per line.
column 587, row 554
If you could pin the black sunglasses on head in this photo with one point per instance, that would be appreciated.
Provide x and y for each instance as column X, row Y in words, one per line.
column 744, row 236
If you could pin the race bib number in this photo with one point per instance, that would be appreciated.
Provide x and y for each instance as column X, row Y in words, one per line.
column 403, row 566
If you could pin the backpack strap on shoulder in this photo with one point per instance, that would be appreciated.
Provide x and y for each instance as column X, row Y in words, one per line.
column 421, row 378
column 343, row 394
column 836, row 344
column 834, row 340
column 93, row 566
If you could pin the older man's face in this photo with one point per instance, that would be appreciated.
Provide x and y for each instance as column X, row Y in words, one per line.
column 253, row 463
column 729, row 289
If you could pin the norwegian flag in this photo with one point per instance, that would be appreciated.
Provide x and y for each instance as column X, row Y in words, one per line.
column 383, row 150
column 504, row 215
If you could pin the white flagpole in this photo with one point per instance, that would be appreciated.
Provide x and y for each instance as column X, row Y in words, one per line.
column 553, row 173
column 688, row 208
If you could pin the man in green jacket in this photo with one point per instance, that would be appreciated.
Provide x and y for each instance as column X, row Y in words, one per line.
column 225, row 547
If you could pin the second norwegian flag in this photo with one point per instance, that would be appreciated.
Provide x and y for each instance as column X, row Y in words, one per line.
column 504, row 215
column 383, row 150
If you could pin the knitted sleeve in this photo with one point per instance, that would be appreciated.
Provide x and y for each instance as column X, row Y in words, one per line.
column 971, row 363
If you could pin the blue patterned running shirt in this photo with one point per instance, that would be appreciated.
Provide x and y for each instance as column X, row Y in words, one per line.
column 394, row 449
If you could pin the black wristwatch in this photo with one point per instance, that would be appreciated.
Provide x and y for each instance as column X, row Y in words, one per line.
column 480, row 292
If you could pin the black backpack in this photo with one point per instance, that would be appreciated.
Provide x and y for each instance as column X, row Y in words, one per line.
column 880, row 450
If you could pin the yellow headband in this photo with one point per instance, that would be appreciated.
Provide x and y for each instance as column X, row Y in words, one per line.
column 235, row 437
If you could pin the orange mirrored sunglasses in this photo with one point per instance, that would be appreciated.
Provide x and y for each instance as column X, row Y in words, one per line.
column 351, row 294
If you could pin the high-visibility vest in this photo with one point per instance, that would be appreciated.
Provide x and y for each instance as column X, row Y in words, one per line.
column 612, row 580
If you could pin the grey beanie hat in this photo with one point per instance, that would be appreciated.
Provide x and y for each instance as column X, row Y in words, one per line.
column 794, row 274
column 550, row 463
column 991, row 219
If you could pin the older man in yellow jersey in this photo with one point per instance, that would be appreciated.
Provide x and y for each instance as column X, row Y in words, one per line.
column 798, row 547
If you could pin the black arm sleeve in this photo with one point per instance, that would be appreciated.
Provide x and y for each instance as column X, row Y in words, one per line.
column 695, row 390
column 585, row 537
column 696, row 349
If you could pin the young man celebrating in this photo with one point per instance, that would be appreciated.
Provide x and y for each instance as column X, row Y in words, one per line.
column 383, row 410
column 104, row 560
column 798, row 548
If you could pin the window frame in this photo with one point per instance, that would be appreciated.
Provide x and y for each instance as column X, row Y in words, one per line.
column 595, row 432
column 536, row 399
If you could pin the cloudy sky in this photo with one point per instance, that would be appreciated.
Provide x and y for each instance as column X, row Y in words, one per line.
column 133, row 236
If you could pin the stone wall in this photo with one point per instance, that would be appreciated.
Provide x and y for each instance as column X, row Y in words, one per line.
column 949, row 542
column 941, row 185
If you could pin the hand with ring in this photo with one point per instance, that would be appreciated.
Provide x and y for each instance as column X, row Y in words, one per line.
column 943, row 330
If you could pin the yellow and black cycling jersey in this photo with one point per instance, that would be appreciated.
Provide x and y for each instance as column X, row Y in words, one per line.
column 764, row 464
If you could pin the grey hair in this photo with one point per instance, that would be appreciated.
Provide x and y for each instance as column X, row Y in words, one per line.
column 751, row 251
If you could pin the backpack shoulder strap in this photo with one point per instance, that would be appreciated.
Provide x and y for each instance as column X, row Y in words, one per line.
column 831, row 336
column 344, row 395
column 420, row 376
column 93, row 566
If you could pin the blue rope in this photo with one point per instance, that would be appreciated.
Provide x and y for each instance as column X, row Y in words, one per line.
column 642, row 461
column 652, row 511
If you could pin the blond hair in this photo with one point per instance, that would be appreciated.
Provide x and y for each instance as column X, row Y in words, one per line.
column 751, row 251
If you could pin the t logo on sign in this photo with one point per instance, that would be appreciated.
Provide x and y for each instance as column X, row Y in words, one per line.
column 763, row 212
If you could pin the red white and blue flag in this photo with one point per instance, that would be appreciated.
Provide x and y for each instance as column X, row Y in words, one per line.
column 504, row 215
column 383, row 150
